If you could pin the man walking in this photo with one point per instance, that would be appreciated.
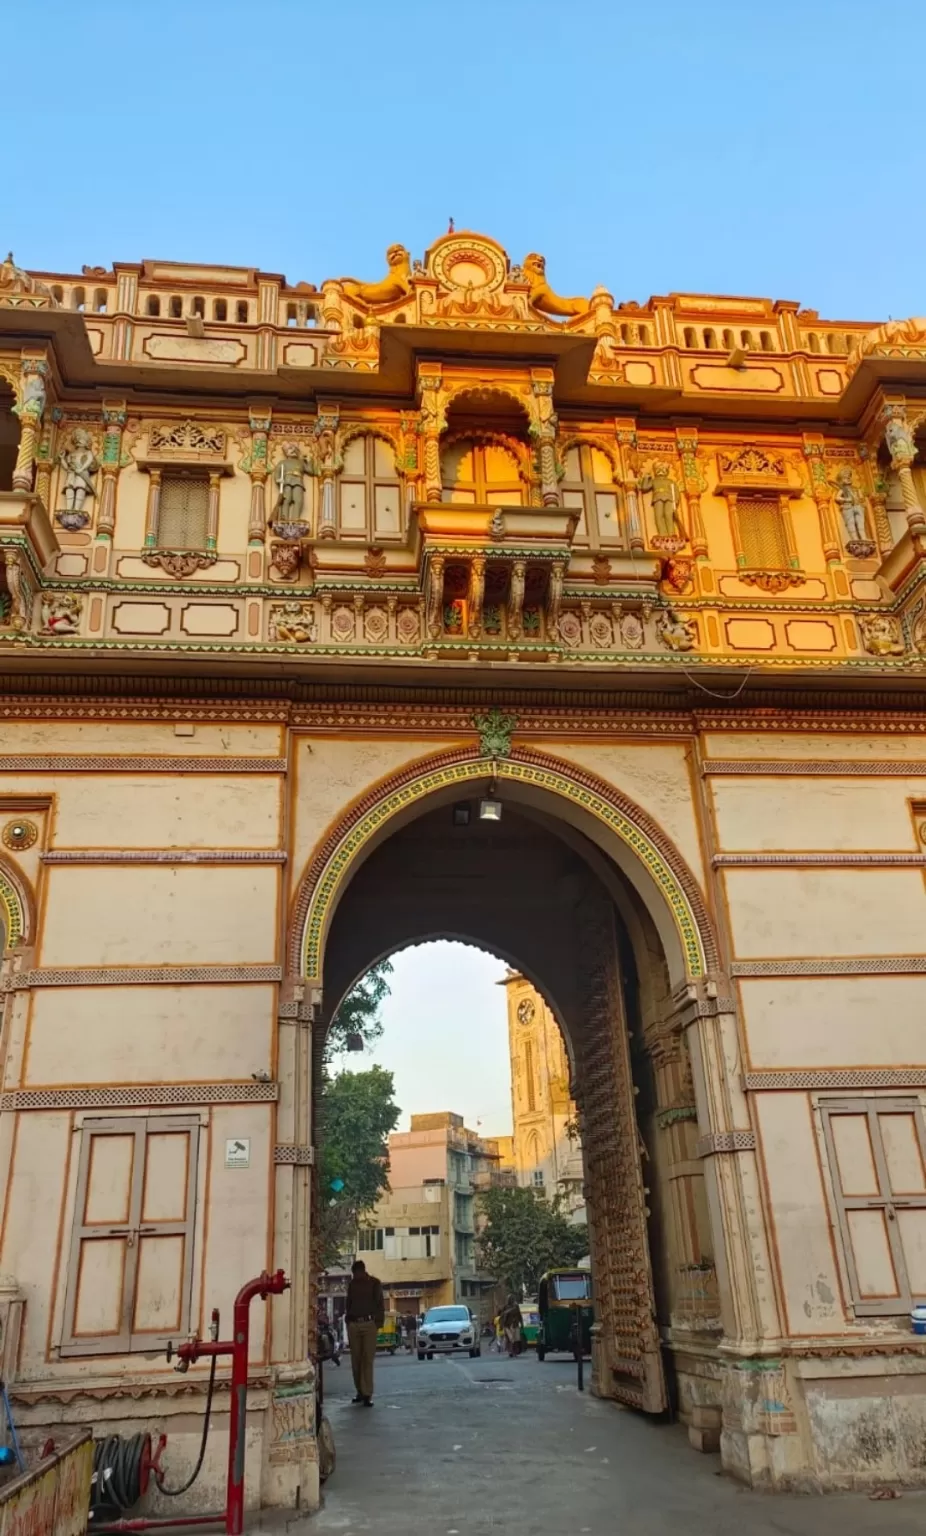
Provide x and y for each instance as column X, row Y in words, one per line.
column 366, row 1313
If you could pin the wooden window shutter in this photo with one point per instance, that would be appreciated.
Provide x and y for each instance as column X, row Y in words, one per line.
column 130, row 1269
column 183, row 511
column 762, row 533
column 877, row 1157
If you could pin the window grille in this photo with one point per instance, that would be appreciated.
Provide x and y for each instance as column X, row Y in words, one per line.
column 183, row 511
column 763, row 539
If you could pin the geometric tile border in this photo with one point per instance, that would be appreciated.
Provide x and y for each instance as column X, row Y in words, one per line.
column 809, row 768
column 726, row 1141
column 835, row 1077
column 72, row 763
column 166, row 856
column 290, row 1154
column 817, row 860
column 335, row 858
column 869, row 965
column 138, row 975
column 140, row 1096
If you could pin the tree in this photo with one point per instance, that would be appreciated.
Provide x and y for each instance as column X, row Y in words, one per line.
column 357, row 1113
column 359, row 1012
column 525, row 1234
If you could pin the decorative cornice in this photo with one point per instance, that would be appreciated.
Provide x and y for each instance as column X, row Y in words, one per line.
column 288, row 1153
column 818, row 860
column 726, row 1141
column 809, row 1079
column 867, row 965
column 139, row 1096
column 802, row 768
column 166, row 856
column 70, row 762
column 137, row 975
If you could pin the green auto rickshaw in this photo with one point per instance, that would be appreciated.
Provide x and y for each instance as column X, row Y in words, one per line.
column 564, row 1301
column 530, row 1324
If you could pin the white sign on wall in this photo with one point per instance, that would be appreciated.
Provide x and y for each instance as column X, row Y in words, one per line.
column 238, row 1152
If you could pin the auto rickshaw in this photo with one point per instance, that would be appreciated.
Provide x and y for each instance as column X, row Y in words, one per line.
column 530, row 1324
column 387, row 1337
column 564, row 1301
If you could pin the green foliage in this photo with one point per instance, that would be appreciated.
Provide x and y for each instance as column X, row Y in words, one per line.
column 524, row 1235
column 357, row 1113
column 359, row 1012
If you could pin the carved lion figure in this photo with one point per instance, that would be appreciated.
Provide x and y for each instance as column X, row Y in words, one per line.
column 542, row 296
column 396, row 285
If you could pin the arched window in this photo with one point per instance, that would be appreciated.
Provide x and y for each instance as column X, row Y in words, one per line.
column 57, row 293
column 710, row 340
column 765, row 341
column 291, row 316
column 530, row 1082
column 588, row 485
column 198, row 307
column 219, row 309
column 100, row 300
column 370, row 489
column 153, row 306
column 242, row 311
column 729, row 340
column 176, row 307
column 644, row 335
column 691, row 339
column 78, row 298
column 747, row 339
column 9, row 438
column 814, row 341
column 480, row 474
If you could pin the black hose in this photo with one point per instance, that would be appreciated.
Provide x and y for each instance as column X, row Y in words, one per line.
column 122, row 1460
column 172, row 1493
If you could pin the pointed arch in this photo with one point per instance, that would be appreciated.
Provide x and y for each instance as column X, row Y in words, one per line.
column 650, row 853
column 17, row 906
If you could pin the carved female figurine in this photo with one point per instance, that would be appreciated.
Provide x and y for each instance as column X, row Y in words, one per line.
column 851, row 506
column 288, row 477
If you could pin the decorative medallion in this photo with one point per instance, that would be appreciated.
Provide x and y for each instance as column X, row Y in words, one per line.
column 20, row 834
column 375, row 625
column 570, row 629
column 632, row 634
column 600, row 631
column 468, row 263
column 342, row 625
column 407, row 626
column 526, row 1011
column 495, row 731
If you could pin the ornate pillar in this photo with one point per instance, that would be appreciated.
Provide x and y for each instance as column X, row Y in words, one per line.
column 902, row 449
column 477, row 584
column 627, row 442
column 114, row 416
column 433, row 423
column 212, row 515
column 877, row 495
column 543, row 430
column 30, row 408
column 256, row 463
column 822, row 493
column 327, row 463
column 19, row 587
column 151, row 511
column 516, row 599
column 45, row 457
column 695, row 485
column 555, row 595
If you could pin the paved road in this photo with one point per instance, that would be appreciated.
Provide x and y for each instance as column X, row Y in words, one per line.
column 497, row 1447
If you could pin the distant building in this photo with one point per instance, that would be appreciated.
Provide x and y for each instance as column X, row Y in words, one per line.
column 546, row 1152
column 421, row 1239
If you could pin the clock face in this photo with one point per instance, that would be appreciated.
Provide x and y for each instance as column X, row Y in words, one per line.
column 525, row 1010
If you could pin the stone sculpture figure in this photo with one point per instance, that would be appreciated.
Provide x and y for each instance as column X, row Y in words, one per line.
column 61, row 614
column 294, row 623
column 851, row 506
column 676, row 633
column 394, row 286
column 80, row 464
column 899, row 439
column 658, row 481
column 14, row 279
column 881, row 635
column 542, row 296
column 289, row 477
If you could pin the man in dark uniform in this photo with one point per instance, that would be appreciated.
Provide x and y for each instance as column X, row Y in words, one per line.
column 366, row 1313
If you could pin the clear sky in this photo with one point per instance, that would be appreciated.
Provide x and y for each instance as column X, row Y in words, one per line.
column 719, row 146
column 446, row 1036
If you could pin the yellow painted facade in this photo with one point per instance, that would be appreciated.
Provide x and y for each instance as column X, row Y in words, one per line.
column 546, row 1148
column 294, row 579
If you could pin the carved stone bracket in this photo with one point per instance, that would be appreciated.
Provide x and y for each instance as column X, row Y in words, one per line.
column 179, row 563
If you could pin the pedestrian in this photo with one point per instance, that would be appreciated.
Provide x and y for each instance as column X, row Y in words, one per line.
column 511, row 1322
column 366, row 1313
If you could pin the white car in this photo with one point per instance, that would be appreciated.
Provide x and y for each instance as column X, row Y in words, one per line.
column 448, row 1331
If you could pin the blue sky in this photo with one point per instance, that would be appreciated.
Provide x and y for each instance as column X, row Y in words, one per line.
column 717, row 146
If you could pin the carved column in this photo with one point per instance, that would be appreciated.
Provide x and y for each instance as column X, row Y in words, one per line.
column 695, row 485
column 435, row 595
column 30, row 409
column 516, row 599
column 543, row 431
column 20, row 589
column 212, row 514
column 555, row 595
column 877, row 495
column 477, row 584
column 822, row 493
column 45, row 457
column 433, row 423
column 151, row 511
column 627, row 442
column 114, row 416
column 257, row 463
column 902, row 448
column 327, row 462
